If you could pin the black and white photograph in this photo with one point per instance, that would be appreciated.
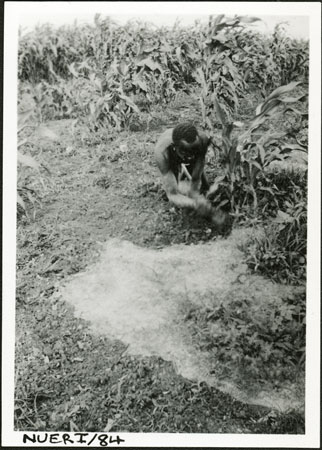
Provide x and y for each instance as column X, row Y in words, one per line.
column 162, row 224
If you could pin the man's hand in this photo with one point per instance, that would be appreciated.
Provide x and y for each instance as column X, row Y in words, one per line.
column 220, row 220
column 203, row 207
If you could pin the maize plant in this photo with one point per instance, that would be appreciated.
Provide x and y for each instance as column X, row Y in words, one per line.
column 247, row 156
column 219, row 77
column 272, row 62
column 108, row 72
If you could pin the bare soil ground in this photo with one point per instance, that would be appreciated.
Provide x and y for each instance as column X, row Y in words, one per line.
column 68, row 377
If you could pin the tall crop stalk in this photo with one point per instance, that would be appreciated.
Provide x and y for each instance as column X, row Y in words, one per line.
column 246, row 157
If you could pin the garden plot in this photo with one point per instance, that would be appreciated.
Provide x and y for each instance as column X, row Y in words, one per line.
column 158, row 286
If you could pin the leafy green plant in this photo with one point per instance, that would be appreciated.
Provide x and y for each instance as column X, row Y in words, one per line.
column 281, row 253
column 290, row 56
column 146, row 61
column 246, row 158
column 260, row 340
column 46, row 53
column 218, row 75
column 269, row 62
column 151, row 65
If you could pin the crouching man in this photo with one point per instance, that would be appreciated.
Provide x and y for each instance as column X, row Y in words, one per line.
column 180, row 153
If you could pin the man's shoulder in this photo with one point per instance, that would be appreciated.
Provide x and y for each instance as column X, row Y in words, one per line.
column 161, row 152
column 163, row 143
column 165, row 137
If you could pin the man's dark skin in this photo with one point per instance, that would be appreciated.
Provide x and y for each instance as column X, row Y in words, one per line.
column 170, row 156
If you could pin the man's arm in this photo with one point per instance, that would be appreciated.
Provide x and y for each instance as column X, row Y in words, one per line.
column 203, row 206
column 171, row 188
column 196, row 176
column 197, row 202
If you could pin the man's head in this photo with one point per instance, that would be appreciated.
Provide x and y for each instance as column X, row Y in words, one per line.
column 186, row 141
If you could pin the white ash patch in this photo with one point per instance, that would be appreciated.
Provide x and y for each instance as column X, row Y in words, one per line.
column 141, row 295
